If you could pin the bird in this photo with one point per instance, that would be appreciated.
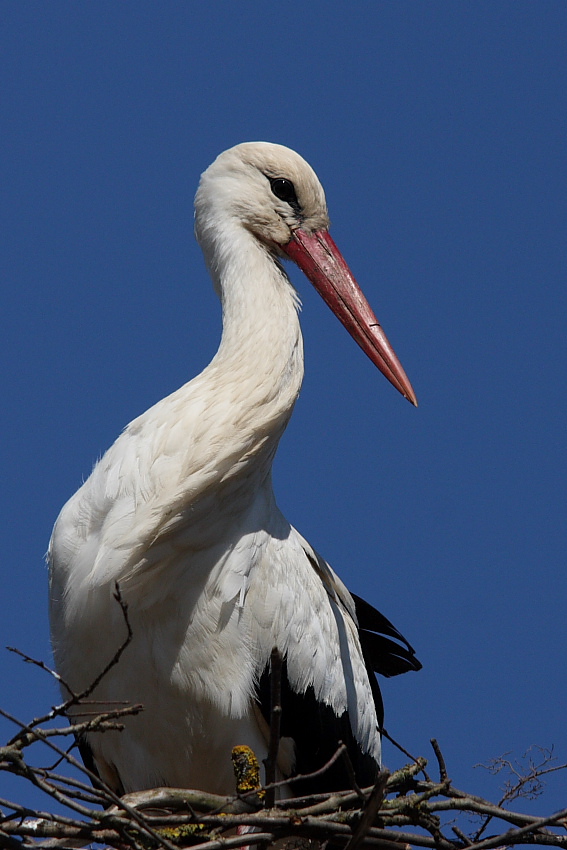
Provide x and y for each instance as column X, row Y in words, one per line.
column 180, row 515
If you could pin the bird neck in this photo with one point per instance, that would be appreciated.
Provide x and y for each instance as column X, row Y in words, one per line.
column 258, row 369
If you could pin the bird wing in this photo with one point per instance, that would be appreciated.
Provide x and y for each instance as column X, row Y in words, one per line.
column 314, row 723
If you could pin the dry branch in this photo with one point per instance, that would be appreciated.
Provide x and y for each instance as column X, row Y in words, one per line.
column 402, row 810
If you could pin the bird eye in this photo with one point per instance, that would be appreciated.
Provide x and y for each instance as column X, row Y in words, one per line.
column 284, row 190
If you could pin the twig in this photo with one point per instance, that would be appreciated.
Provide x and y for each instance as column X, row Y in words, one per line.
column 533, row 778
column 352, row 776
column 460, row 834
column 370, row 811
column 408, row 755
column 440, row 760
column 51, row 790
column 301, row 776
column 76, row 699
column 513, row 836
column 115, row 658
column 271, row 761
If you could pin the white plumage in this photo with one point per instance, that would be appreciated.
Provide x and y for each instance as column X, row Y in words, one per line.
column 180, row 512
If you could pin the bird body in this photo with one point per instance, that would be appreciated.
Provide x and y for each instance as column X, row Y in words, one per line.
column 180, row 512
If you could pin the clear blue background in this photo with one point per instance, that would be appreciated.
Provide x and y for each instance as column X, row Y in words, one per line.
column 439, row 131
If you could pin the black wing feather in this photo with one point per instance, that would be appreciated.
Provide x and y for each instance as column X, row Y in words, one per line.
column 317, row 731
column 384, row 656
column 371, row 619
column 90, row 763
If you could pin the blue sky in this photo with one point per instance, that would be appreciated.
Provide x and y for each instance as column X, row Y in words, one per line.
column 439, row 132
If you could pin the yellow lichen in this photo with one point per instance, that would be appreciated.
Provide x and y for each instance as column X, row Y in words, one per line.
column 246, row 770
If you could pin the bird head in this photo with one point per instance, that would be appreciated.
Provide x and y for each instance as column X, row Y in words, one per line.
column 274, row 193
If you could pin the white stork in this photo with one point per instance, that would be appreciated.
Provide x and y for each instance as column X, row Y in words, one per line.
column 181, row 513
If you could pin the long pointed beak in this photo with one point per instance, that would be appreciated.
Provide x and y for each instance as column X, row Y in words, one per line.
column 319, row 258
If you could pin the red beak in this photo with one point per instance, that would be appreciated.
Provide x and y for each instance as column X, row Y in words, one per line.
column 319, row 258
